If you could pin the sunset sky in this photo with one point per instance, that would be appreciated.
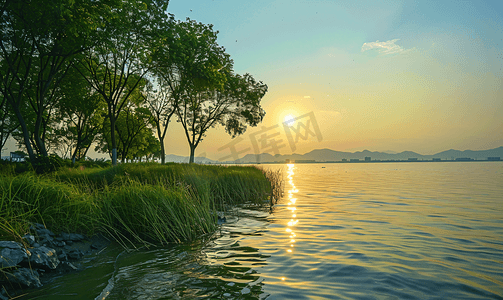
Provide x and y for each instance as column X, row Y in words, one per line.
column 424, row 76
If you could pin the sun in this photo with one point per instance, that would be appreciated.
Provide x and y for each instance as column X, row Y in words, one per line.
column 289, row 120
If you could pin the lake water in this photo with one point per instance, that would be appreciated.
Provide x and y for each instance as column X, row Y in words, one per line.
column 342, row 231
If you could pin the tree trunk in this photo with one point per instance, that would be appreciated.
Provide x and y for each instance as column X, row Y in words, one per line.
column 26, row 134
column 163, row 155
column 114, row 142
column 192, row 150
column 81, row 156
column 38, row 141
column 161, row 136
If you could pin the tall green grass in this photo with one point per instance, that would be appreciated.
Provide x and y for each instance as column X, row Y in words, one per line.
column 136, row 204
column 225, row 185
column 15, row 212
column 29, row 198
column 151, row 214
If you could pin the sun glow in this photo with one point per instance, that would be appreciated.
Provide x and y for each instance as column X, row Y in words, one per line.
column 289, row 120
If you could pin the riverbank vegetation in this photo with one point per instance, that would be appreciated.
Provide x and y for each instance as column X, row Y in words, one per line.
column 134, row 204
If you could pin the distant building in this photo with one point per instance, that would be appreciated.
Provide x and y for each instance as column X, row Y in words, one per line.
column 354, row 160
column 368, row 158
column 435, row 159
column 464, row 159
column 344, row 160
column 290, row 161
column 305, row 161
column 15, row 156
column 412, row 159
column 493, row 158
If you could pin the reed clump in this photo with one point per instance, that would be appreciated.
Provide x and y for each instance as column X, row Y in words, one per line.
column 152, row 214
column 136, row 204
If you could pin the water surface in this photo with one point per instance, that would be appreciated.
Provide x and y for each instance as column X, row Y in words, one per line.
column 342, row 231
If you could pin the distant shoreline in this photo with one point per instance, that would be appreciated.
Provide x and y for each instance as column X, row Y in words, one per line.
column 361, row 161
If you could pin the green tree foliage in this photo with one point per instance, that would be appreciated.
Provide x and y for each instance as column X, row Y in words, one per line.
column 190, row 59
column 134, row 134
column 82, row 112
column 151, row 149
column 235, row 106
column 162, row 103
column 116, row 67
column 39, row 40
column 72, row 70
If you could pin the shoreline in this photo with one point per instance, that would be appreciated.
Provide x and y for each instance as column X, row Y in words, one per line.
column 135, row 205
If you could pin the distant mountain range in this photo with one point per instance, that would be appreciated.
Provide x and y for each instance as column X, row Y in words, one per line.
column 328, row 155
column 185, row 159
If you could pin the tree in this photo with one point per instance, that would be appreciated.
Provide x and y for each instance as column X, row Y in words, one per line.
column 134, row 134
column 162, row 103
column 194, row 62
column 82, row 111
column 151, row 148
column 116, row 68
column 39, row 40
column 234, row 106
column 188, row 58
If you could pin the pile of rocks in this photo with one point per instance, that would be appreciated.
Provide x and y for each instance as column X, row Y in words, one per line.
column 21, row 265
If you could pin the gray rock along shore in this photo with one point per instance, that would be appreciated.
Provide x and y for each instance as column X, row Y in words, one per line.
column 26, row 265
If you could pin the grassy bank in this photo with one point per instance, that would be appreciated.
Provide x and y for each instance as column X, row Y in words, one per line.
column 136, row 204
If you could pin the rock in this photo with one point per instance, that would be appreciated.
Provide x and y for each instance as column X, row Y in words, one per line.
column 74, row 237
column 10, row 245
column 37, row 226
column 30, row 239
column 245, row 291
column 45, row 236
column 62, row 256
column 46, row 239
column 42, row 232
column 44, row 257
column 12, row 257
column 24, row 266
column 25, row 277
column 59, row 243
column 75, row 254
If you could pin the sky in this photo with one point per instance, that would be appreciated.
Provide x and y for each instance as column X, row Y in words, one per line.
column 423, row 76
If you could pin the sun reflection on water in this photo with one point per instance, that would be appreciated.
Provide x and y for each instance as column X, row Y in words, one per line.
column 291, row 202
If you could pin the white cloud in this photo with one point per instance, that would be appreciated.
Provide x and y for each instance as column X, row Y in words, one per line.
column 388, row 47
